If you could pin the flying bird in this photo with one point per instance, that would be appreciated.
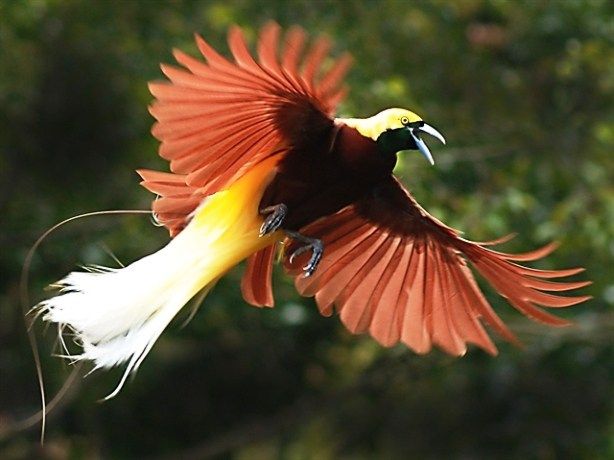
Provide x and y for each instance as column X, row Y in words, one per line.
column 259, row 165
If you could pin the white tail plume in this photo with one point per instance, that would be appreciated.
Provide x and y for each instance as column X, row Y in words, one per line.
column 116, row 315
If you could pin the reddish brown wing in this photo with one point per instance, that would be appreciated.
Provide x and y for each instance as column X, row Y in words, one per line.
column 216, row 119
column 394, row 271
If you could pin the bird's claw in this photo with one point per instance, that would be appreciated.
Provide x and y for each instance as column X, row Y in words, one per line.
column 313, row 262
column 317, row 249
column 274, row 219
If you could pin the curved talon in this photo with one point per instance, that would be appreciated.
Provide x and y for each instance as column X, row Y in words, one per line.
column 313, row 244
column 297, row 253
column 276, row 216
column 314, row 260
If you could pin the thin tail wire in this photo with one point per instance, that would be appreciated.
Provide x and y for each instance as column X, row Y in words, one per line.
column 25, row 306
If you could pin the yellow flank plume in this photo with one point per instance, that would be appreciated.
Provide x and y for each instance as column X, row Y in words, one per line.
column 230, row 220
column 116, row 315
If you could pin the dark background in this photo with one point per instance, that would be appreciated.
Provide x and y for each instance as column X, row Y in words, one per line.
column 523, row 92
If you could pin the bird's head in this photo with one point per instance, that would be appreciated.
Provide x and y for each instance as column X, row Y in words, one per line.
column 395, row 130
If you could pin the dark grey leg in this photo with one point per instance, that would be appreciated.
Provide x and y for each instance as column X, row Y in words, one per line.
column 274, row 219
column 313, row 244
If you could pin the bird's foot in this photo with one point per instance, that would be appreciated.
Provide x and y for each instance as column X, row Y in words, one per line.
column 313, row 244
column 275, row 217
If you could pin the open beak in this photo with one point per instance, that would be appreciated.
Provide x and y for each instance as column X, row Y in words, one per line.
column 415, row 134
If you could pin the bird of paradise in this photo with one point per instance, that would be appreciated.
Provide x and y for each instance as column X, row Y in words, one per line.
column 259, row 162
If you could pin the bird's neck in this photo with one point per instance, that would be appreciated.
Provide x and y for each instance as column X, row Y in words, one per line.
column 367, row 127
column 361, row 155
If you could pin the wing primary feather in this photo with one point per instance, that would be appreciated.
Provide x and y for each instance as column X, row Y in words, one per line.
column 361, row 255
column 528, row 256
column 168, row 92
column 193, row 128
column 215, row 155
column 518, row 297
column 351, row 233
column 391, row 312
column 357, row 294
column 547, row 273
column 365, row 296
column 445, row 333
column 268, row 46
column 482, row 306
column 383, row 323
column 338, row 96
column 554, row 286
column 415, row 329
column 228, row 163
column 238, row 47
column 180, row 111
column 345, row 261
column 339, row 275
column 192, row 64
column 348, row 236
column 428, row 292
column 229, row 169
column 467, row 316
column 330, row 82
column 202, row 170
column 313, row 60
column 293, row 48
column 512, row 285
column 214, row 59
column 221, row 64
column 214, row 83
column 334, row 251
column 223, row 132
column 163, row 189
column 411, row 268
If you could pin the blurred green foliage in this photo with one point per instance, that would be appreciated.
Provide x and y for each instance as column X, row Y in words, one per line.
column 523, row 91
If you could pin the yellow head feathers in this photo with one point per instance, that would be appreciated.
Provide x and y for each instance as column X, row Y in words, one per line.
column 387, row 119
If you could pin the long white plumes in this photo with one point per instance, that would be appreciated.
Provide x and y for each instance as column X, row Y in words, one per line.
column 116, row 315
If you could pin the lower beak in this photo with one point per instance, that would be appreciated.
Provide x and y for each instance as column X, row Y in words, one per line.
column 415, row 134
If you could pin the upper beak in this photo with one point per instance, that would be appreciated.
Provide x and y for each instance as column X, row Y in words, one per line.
column 415, row 133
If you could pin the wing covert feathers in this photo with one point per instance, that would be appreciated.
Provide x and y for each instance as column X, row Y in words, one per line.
column 394, row 271
column 217, row 118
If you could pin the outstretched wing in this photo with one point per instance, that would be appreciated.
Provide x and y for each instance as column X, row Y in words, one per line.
column 218, row 118
column 394, row 271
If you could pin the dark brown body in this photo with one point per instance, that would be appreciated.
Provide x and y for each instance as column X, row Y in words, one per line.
column 317, row 182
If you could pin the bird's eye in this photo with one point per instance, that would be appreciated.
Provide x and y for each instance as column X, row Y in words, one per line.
column 405, row 121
